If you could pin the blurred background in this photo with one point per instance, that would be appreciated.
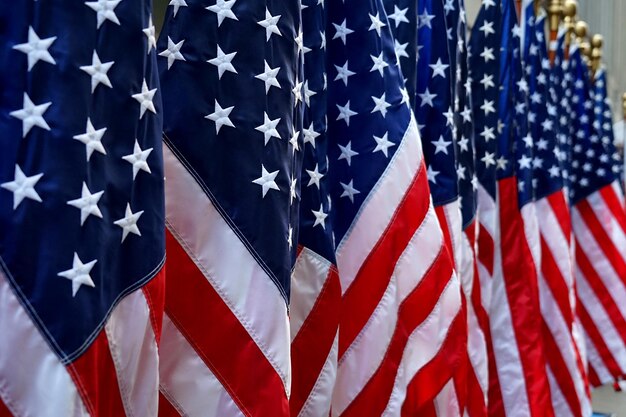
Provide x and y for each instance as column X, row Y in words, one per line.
column 608, row 18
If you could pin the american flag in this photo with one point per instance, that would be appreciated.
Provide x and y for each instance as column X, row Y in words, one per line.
column 566, row 367
column 434, row 111
column 515, row 319
column 483, row 57
column 599, row 224
column 400, row 324
column 81, row 209
column 231, row 79
column 477, row 376
column 315, row 305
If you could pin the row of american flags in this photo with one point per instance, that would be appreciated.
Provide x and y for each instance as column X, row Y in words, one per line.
column 305, row 208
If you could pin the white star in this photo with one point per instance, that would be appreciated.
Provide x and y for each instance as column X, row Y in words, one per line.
column 380, row 104
column 463, row 144
column 501, row 163
column 460, row 172
column 487, row 54
column 315, row 177
column 377, row 24
column 145, row 99
column 177, row 5
column 517, row 31
column 383, row 144
column 400, row 49
column 308, row 93
column 449, row 6
column 98, row 71
column 439, row 69
column 128, row 223
column 449, row 115
column 150, row 33
column 345, row 113
column 172, row 53
column 320, row 217
column 92, row 139
column 343, row 73
column 528, row 140
column 290, row 237
column 524, row 162
column 297, row 92
column 292, row 189
column 522, row 85
column 441, row 145
column 269, row 77
column 36, row 49
column 22, row 187
column 342, row 31
column 87, row 204
column 467, row 114
column 488, row 3
column 488, row 159
column 223, row 9
column 347, row 153
column 105, row 10
column 295, row 135
column 267, row 180
column 270, row 23
column 223, row 62
column 79, row 274
column 427, row 98
column 349, row 190
column 220, row 116
column 31, row 115
column 310, row 135
column 431, row 174
column 554, row 171
column 379, row 63
column 399, row 15
column 138, row 159
column 487, row 81
column 487, row 28
column 537, row 163
column 425, row 19
column 268, row 128
column 488, row 107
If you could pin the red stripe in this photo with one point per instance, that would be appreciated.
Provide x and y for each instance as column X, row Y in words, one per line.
column 445, row 228
column 154, row 292
column 96, row 380
column 555, row 281
column 561, row 211
column 476, row 406
column 598, row 341
column 416, row 308
column 166, row 409
column 520, row 281
column 314, row 341
column 592, row 277
column 602, row 238
column 495, row 402
column 485, row 248
column 369, row 286
column 560, row 371
column 593, row 377
column 430, row 379
column 220, row 340
column 615, row 205
column 4, row 411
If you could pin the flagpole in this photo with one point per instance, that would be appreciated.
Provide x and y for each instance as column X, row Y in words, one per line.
column 555, row 10
column 570, row 9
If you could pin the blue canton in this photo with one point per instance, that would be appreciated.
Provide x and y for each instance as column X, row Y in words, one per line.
column 231, row 75
column 81, row 175
column 368, row 107
column 434, row 104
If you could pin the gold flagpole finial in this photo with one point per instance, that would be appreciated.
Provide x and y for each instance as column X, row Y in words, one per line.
column 581, row 29
column 570, row 8
column 624, row 105
column 555, row 11
column 596, row 52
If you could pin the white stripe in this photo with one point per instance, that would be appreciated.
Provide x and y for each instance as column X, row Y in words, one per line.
column 609, row 223
column 559, row 403
column 596, row 362
column 447, row 402
column 381, row 204
column 186, row 380
column 507, row 356
column 531, row 230
column 134, row 351
column 596, row 256
column 364, row 356
column 424, row 343
column 487, row 210
column 601, row 319
column 452, row 212
column 33, row 382
column 307, row 280
column 318, row 403
column 619, row 192
column 228, row 265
